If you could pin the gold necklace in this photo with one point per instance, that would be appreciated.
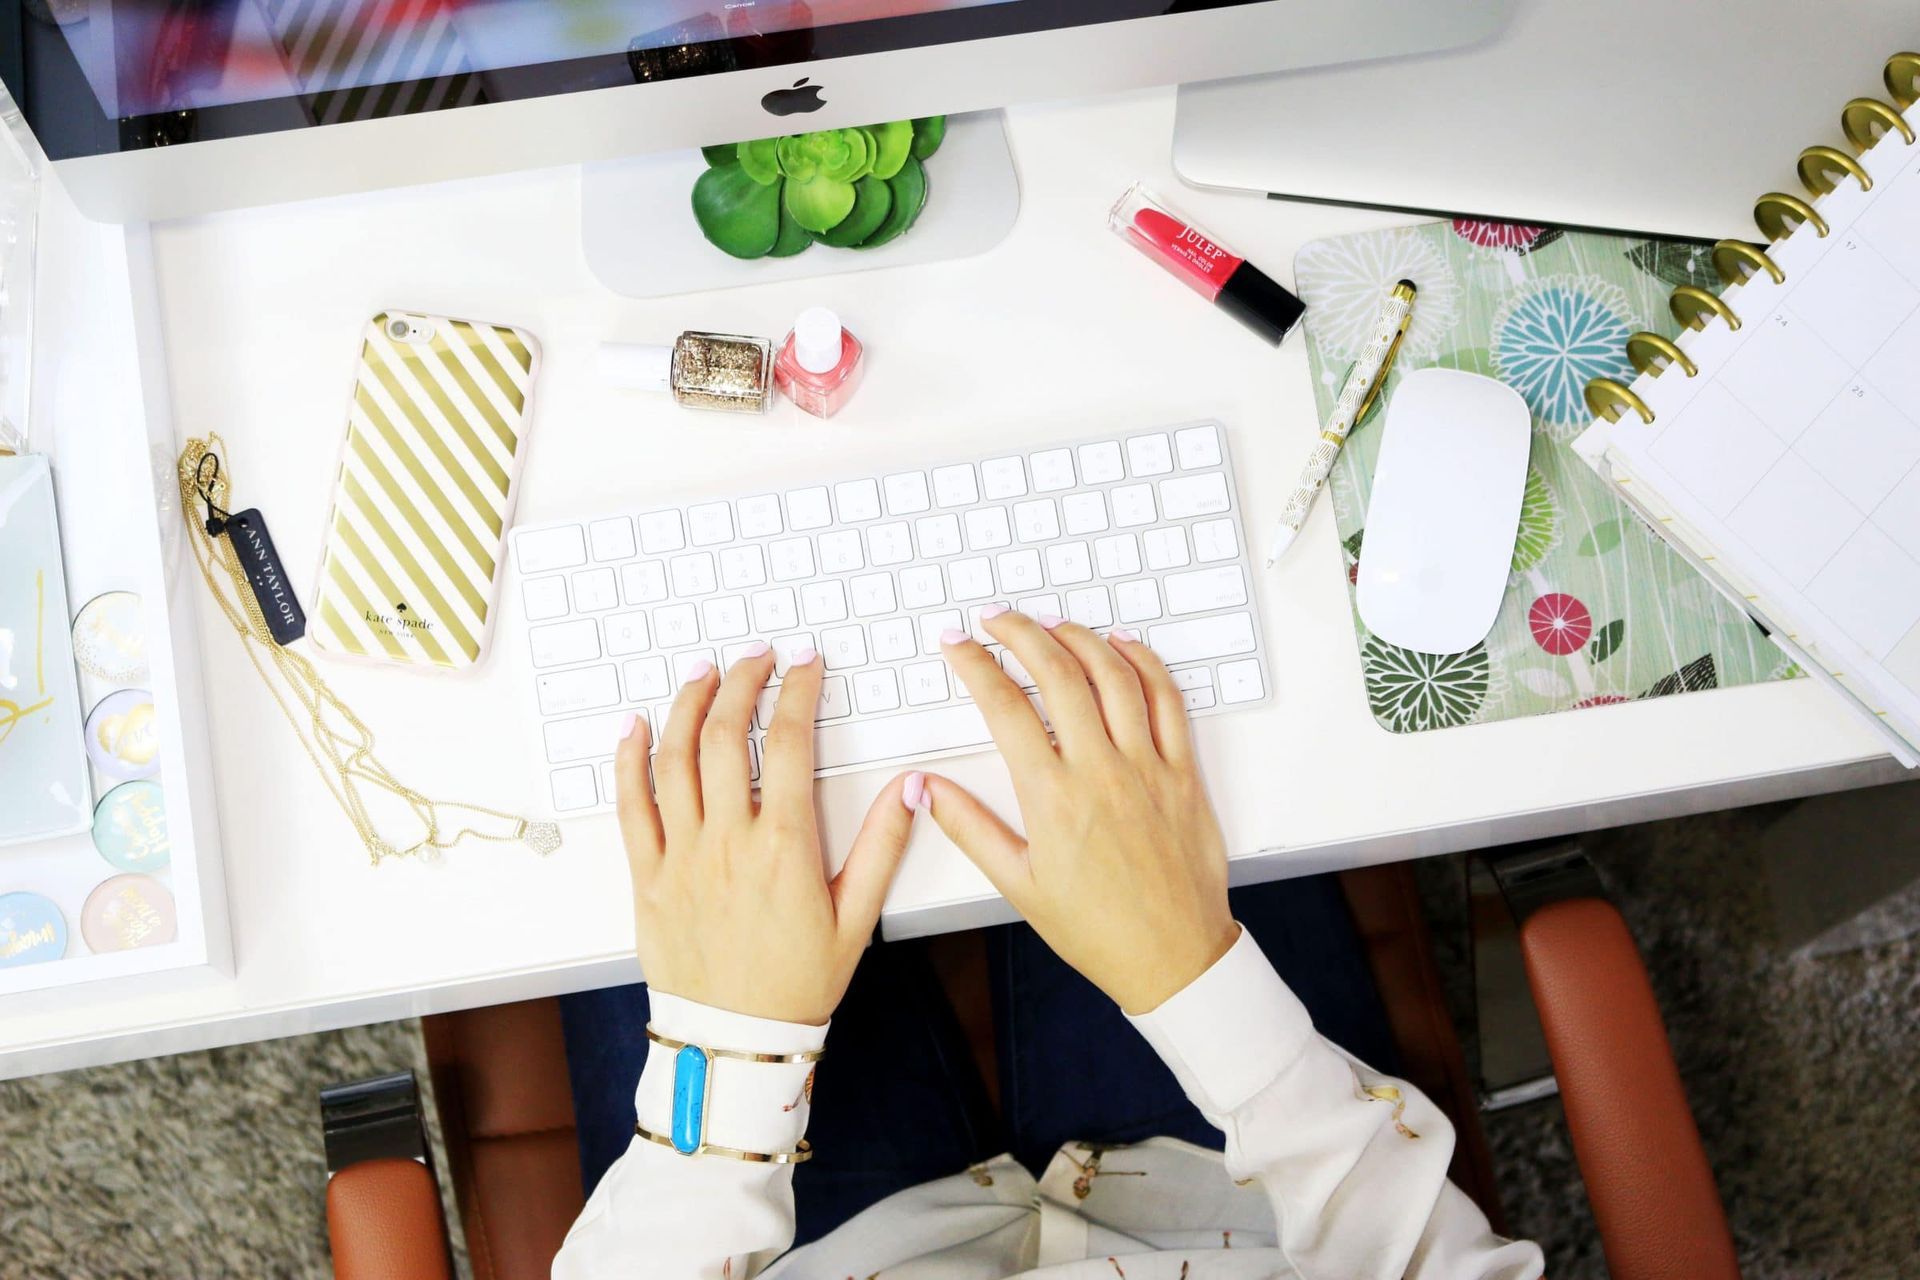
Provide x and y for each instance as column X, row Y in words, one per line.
column 337, row 741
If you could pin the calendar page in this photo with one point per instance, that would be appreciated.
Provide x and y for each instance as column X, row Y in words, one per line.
column 1789, row 464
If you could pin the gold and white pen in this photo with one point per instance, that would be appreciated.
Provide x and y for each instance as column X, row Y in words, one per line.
column 1364, row 380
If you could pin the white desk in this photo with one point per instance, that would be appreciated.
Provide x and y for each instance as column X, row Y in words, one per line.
column 261, row 310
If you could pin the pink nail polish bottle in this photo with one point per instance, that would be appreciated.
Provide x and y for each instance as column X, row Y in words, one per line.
column 819, row 364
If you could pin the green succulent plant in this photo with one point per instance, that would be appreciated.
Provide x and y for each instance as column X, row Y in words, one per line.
column 848, row 188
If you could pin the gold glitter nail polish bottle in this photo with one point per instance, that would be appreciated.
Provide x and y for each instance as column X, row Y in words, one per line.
column 727, row 372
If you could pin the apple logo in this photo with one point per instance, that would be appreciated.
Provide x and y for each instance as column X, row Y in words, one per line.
column 800, row 98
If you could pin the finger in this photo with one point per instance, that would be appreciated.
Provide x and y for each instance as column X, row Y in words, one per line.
column 786, row 752
column 639, row 818
column 726, row 782
column 860, row 890
column 1166, row 709
column 1116, row 686
column 1061, row 679
column 992, row 845
column 1015, row 725
column 676, row 765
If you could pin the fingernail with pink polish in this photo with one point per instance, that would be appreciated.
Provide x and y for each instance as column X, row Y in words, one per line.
column 627, row 723
column 698, row 671
column 804, row 657
column 1049, row 620
column 757, row 649
column 991, row 611
column 1127, row 634
column 952, row 636
column 913, row 792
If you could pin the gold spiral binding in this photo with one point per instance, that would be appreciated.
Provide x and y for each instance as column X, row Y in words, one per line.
column 1691, row 305
column 1645, row 351
column 1772, row 213
column 1858, row 118
column 1818, row 165
column 1903, row 78
column 1729, row 256
column 1606, row 398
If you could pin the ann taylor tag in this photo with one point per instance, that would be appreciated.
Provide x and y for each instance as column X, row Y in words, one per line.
column 285, row 618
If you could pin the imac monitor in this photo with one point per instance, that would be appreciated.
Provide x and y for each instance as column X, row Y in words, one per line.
column 160, row 108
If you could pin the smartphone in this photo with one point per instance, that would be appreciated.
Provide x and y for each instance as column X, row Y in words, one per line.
column 416, row 540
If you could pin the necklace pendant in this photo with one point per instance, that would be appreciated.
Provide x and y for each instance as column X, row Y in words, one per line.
column 541, row 837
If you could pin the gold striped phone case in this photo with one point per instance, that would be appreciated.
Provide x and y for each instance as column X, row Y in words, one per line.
column 426, row 486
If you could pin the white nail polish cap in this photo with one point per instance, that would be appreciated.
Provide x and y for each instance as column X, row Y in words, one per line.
column 818, row 340
column 641, row 366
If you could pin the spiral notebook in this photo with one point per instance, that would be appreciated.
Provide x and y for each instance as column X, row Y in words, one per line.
column 1776, row 444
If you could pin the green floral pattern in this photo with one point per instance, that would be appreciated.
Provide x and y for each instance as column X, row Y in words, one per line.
column 1598, row 609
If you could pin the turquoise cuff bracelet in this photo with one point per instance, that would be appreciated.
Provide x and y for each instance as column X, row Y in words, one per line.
column 693, row 1085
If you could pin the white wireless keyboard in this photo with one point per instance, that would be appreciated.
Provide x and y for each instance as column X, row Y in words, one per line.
column 1141, row 531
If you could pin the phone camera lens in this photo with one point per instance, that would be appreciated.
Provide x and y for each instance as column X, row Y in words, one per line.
column 397, row 328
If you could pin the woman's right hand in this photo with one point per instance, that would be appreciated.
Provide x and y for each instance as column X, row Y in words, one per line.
column 1123, row 871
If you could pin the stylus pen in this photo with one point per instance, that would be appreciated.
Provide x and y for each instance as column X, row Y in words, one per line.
column 1364, row 380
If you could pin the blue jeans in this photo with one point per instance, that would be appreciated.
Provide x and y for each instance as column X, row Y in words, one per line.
column 898, row 1101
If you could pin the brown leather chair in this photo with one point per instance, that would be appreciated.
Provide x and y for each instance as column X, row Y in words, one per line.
column 501, row 1081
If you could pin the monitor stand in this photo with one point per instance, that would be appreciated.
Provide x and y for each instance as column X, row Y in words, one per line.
column 637, row 227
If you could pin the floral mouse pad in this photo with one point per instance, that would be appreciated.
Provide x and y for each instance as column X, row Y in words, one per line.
column 1597, row 608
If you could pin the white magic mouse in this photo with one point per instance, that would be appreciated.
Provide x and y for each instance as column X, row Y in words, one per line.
column 1445, row 510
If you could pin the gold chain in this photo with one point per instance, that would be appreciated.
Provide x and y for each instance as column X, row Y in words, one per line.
column 337, row 741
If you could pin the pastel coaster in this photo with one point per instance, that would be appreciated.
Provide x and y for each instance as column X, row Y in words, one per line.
column 127, row 912
column 110, row 638
column 123, row 735
column 130, row 827
column 32, row 930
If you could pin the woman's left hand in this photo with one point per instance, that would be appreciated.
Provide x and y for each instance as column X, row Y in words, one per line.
column 731, row 902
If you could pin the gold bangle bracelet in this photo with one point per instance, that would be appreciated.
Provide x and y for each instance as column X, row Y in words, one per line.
column 800, row 1155
column 738, row 1055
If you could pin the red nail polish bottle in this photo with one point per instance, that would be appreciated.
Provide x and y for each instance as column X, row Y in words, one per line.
column 819, row 364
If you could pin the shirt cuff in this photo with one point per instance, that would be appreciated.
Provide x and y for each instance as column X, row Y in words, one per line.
column 1231, row 1031
column 751, row 1106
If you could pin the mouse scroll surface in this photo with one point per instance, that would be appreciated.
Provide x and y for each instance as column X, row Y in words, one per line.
column 1444, row 510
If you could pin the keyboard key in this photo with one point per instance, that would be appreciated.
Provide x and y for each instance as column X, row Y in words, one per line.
column 876, row 689
column 1203, row 590
column 545, row 598
column 1052, row 470
column 1090, row 607
column 760, row 516
column 892, row 640
column 1020, row 571
column 863, row 742
column 926, row 683
column 1118, row 555
column 784, row 647
column 644, row 582
column 1166, row 548
column 823, row 601
column 1036, row 521
column 808, row 509
column 970, row 579
column 792, row 559
column 1150, row 455
column 1016, row 670
column 742, row 566
column 1084, row 513
column 889, row 544
column 1215, row 540
column 934, row 625
column 1003, row 478
column 906, row 493
column 1068, row 563
column 688, row 660
column 675, row 625
column 955, row 486
column 694, row 574
column 766, row 704
column 975, row 628
column 987, row 528
column 627, row 633
column 873, row 595
column 1132, row 505
column 582, row 689
column 920, row 586
column 611, row 539
column 774, row 610
column 573, row 789
column 594, row 590
column 710, row 523
column 732, row 653
column 1100, row 463
column 1198, row 446
column 1137, row 601
column 608, row 787
column 646, row 679
column 1192, row 678
column 1241, row 681
column 726, row 617
column 1204, row 495
column 558, row 643
column 840, row 551
column 844, row 647
column 835, row 703
column 938, row 536
column 661, row 532
column 583, row 738
column 1198, row 699
column 857, row 500
column 1040, row 606
column 538, row 550
column 1227, row 636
